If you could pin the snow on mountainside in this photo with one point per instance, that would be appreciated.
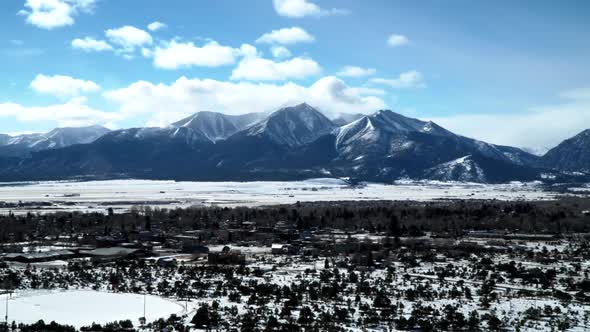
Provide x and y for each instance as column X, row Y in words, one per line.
column 463, row 169
column 184, row 135
column 55, row 139
column 218, row 126
column 346, row 118
column 292, row 126
column 571, row 155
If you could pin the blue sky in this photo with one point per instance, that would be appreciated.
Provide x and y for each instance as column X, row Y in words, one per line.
column 509, row 72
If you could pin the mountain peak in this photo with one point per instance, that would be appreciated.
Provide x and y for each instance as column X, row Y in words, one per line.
column 573, row 154
column 303, row 107
column 293, row 125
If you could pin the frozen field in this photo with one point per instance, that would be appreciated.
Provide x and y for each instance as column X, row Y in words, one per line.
column 123, row 194
column 82, row 308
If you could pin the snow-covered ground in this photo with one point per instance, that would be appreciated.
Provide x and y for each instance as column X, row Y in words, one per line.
column 123, row 194
column 83, row 307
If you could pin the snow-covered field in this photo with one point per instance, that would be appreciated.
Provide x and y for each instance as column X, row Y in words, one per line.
column 83, row 307
column 123, row 194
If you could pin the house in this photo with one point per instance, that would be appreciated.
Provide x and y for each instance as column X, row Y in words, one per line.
column 278, row 249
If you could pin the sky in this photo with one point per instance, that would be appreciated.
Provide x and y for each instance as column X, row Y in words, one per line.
column 507, row 72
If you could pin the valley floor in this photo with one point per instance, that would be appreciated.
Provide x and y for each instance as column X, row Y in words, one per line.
column 121, row 195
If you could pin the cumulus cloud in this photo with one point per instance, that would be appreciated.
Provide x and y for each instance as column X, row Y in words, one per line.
column 409, row 79
column 353, row 71
column 286, row 36
column 90, row 44
column 186, row 96
column 302, row 8
column 174, row 55
column 129, row 37
column 155, row 26
column 539, row 128
column 50, row 14
column 74, row 113
column 261, row 69
column 397, row 40
column 62, row 86
column 280, row 52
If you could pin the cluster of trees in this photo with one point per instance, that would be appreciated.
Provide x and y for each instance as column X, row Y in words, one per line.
column 395, row 218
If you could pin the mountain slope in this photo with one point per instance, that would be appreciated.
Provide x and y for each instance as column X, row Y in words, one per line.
column 571, row 155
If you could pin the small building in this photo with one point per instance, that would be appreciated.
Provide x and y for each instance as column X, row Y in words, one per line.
column 226, row 257
column 37, row 257
column 191, row 244
column 112, row 253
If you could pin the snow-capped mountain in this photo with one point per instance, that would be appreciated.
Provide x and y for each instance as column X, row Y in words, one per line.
column 291, row 143
column 571, row 155
column 218, row 126
column 292, row 126
column 55, row 139
column 383, row 133
column 389, row 133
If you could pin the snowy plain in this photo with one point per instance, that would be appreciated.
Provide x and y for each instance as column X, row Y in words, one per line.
column 83, row 307
column 121, row 195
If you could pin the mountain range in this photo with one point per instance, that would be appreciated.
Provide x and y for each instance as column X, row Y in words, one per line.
column 21, row 145
column 291, row 143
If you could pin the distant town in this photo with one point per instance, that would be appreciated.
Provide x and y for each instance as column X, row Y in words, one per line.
column 338, row 266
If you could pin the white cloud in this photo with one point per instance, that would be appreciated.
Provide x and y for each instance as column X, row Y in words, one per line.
column 155, row 26
column 286, row 36
column 539, row 128
column 302, row 8
column 176, row 55
column 73, row 113
column 353, row 71
column 397, row 40
column 129, row 37
column 90, row 44
column 409, row 79
column 260, row 69
column 147, row 52
column 280, row 52
column 62, row 86
column 50, row 14
column 186, row 96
